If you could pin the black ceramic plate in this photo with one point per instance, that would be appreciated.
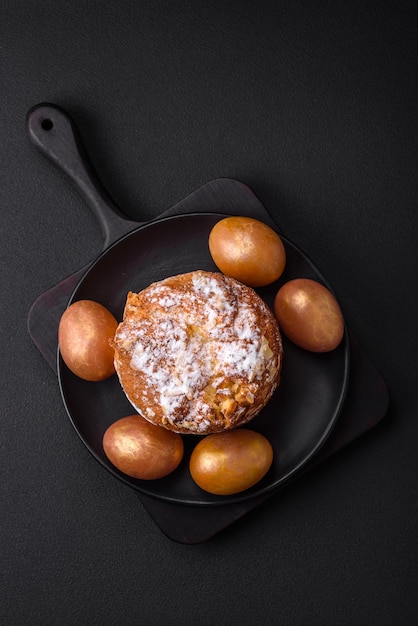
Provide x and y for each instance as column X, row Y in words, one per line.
column 297, row 419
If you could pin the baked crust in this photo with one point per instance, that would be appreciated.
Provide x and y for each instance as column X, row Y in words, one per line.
column 198, row 353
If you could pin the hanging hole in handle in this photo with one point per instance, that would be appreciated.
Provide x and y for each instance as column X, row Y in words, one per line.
column 47, row 124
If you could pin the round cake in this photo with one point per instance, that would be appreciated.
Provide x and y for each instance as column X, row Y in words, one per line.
column 198, row 353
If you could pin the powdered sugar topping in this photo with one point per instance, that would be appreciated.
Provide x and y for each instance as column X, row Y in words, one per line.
column 192, row 339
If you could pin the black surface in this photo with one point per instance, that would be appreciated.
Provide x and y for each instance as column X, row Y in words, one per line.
column 312, row 104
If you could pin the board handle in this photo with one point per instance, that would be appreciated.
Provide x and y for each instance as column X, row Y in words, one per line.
column 54, row 133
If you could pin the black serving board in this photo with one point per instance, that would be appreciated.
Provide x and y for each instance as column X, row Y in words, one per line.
column 366, row 400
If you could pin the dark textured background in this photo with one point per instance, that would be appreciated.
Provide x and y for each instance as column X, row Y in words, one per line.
column 312, row 104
